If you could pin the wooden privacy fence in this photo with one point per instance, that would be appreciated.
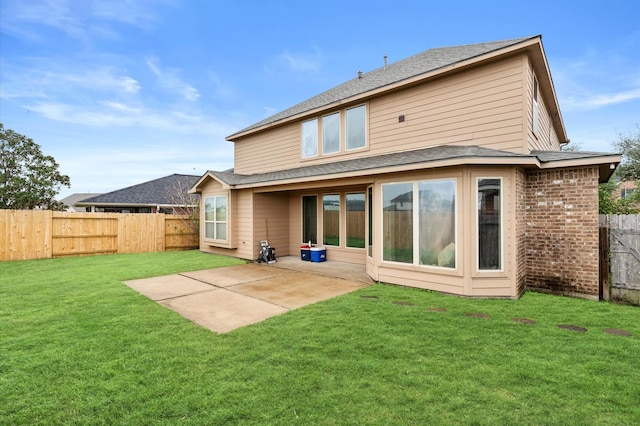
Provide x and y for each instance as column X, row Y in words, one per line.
column 41, row 234
column 620, row 257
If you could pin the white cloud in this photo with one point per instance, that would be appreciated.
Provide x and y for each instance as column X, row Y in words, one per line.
column 112, row 113
column 600, row 100
column 300, row 62
column 80, row 20
column 38, row 80
column 168, row 79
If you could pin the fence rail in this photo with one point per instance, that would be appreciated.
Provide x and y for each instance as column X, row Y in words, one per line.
column 41, row 234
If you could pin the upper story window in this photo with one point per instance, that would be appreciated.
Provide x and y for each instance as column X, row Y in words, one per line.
column 356, row 127
column 536, row 121
column 331, row 133
column 340, row 131
column 310, row 138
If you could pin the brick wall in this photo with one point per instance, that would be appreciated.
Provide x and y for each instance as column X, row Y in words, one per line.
column 521, row 237
column 562, row 231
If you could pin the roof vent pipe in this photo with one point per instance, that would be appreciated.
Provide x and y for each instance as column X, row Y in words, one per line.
column 359, row 74
column 385, row 62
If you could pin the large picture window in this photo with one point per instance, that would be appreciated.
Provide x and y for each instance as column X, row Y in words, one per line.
column 419, row 222
column 489, row 217
column 437, row 221
column 215, row 217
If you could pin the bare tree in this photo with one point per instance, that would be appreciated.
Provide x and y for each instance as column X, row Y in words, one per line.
column 184, row 204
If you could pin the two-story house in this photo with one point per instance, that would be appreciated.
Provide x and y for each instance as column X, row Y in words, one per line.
column 455, row 154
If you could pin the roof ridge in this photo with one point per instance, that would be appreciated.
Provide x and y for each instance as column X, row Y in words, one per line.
column 412, row 66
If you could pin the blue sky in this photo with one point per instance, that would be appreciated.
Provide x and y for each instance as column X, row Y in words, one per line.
column 125, row 91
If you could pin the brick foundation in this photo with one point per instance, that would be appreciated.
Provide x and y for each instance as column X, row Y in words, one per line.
column 562, row 231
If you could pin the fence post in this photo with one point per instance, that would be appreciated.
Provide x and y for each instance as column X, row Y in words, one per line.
column 605, row 282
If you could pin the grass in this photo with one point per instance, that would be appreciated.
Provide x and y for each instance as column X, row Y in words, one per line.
column 79, row 347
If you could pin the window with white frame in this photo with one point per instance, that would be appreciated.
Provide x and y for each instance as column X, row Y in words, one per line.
column 626, row 193
column 355, row 207
column 331, row 133
column 489, row 224
column 215, row 217
column 310, row 138
column 340, row 131
column 356, row 127
column 419, row 222
column 535, row 118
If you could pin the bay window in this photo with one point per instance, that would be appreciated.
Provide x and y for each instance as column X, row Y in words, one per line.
column 419, row 222
column 489, row 224
column 437, row 223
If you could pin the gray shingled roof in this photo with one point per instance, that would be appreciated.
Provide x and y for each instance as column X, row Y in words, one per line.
column 153, row 192
column 420, row 156
column 425, row 155
column 421, row 63
column 547, row 156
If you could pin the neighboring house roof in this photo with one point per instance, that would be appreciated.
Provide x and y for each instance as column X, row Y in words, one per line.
column 422, row 63
column 152, row 193
column 72, row 199
column 438, row 156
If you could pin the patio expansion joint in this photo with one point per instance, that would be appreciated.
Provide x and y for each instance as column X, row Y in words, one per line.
column 201, row 281
column 188, row 294
column 230, row 289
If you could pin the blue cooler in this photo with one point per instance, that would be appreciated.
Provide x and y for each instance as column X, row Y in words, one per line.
column 318, row 254
column 305, row 253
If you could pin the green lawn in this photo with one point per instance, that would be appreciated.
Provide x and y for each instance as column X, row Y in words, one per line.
column 79, row 347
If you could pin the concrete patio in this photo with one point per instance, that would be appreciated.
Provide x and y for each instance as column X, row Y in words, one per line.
column 223, row 299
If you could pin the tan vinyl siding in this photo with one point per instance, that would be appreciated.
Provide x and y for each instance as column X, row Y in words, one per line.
column 295, row 223
column 421, row 279
column 482, row 106
column 243, row 229
column 271, row 221
column 240, row 222
column 545, row 139
column 467, row 109
column 276, row 149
